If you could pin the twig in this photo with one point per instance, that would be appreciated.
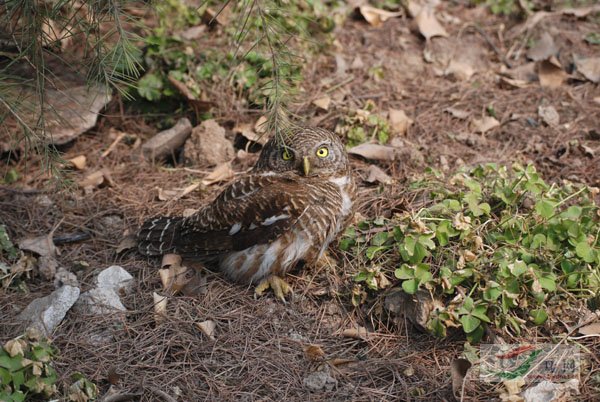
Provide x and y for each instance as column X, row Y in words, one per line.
column 113, row 145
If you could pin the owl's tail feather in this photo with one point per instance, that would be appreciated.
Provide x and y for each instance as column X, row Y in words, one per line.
column 156, row 235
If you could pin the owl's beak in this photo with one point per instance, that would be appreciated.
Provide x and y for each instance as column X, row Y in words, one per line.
column 306, row 166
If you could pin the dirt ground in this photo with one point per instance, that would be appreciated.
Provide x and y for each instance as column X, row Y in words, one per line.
column 259, row 347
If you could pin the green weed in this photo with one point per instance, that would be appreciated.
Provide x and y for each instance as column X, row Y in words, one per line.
column 499, row 245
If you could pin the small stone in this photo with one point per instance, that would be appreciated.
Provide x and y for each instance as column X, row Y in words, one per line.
column 166, row 142
column 45, row 313
column 320, row 380
column 100, row 301
column 207, row 146
column 64, row 277
column 115, row 278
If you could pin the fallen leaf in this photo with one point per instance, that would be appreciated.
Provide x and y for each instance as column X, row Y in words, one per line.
column 376, row 175
column 550, row 75
column 247, row 131
column 414, row 8
column 323, row 102
column 14, row 347
column 165, row 195
column 356, row 333
column 314, row 352
column 174, row 278
column 460, row 70
column 514, row 83
column 357, row 63
column 160, row 308
column 96, row 179
column 340, row 362
column 587, row 151
column 188, row 212
column 222, row 172
column 127, row 243
column 513, row 387
column 588, row 67
column 525, row 72
column 552, row 392
column 485, row 124
column 170, row 259
column 261, row 125
column 543, row 49
column 458, row 371
column 374, row 151
column 40, row 245
column 458, row 113
column 376, row 16
column 79, row 162
column 428, row 24
column 549, row 115
column 580, row 12
column 591, row 329
column 207, row 328
column 399, row 121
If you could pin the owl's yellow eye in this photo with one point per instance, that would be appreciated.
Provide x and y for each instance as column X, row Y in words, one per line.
column 286, row 155
column 322, row 152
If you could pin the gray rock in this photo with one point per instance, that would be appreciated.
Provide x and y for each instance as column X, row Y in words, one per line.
column 115, row 278
column 99, row 301
column 319, row 381
column 164, row 143
column 45, row 313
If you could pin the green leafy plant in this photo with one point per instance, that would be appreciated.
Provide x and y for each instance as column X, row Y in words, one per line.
column 26, row 368
column 363, row 125
column 499, row 245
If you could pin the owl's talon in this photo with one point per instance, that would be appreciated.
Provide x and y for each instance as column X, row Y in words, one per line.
column 279, row 286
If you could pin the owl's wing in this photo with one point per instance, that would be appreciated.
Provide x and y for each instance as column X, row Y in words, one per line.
column 254, row 210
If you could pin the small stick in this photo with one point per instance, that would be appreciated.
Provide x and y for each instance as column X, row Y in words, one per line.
column 113, row 145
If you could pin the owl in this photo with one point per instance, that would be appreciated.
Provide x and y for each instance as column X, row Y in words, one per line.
column 279, row 217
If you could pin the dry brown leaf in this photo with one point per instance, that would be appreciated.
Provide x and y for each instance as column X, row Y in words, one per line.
column 549, row 115
column 374, row 151
column 340, row 362
column 356, row 333
column 513, row 388
column 587, row 151
column 78, row 162
column 165, row 195
column 485, row 124
column 247, row 131
column 170, row 259
column 550, row 75
column 588, row 67
column 591, row 329
column 127, row 243
column 41, row 245
column 96, row 179
column 513, row 83
column 376, row 175
column 428, row 24
column 460, row 70
column 580, row 12
column 207, row 328
column 222, row 172
column 160, row 308
column 458, row 113
column 414, row 8
column 261, row 125
column 188, row 212
column 173, row 278
column 399, row 121
column 377, row 16
column 458, row 371
column 323, row 102
column 543, row 49
column 313, row 352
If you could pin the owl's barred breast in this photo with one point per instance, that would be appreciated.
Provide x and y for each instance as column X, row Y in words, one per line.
column 326, row 214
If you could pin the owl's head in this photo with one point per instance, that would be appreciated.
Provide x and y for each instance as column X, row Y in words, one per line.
column 309, row 151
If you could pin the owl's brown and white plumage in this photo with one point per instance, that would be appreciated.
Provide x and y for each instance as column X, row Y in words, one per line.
column 285, row 212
